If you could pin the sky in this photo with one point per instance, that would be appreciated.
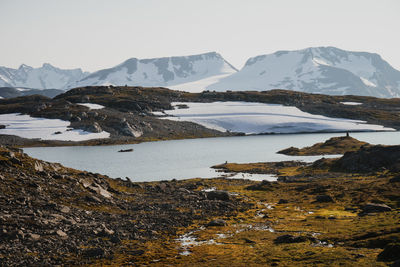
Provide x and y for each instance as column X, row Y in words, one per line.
column 97, row 34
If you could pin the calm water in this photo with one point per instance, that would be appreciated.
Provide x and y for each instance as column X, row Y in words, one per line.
column 182, row 159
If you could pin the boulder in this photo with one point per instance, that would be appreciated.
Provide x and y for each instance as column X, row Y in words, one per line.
column 130, row 130
column 61, row 233
column 395, row 179
column 93, row 128
column 395, row 264
column 34, row 237
column 217, row 222
column 370, row 158
column 374, row 207
column 390, row 253
column 38, row 166
column 218, row 195
column 282, row 201
column 65, row 209
column 288, row 239
column 289, row 151
column 324, row 199
column 262, row 186
column 83, row 115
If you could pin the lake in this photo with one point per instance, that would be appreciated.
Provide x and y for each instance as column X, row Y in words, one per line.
column 190, row 158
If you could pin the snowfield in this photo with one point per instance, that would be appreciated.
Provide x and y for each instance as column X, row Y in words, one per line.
column 91, row 106
column 45, row 129
column 351, row 103
column 256, row 118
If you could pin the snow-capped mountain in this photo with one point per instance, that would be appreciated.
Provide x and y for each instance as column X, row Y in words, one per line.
column 326, row 70
column 186, row 73
column 45, row 77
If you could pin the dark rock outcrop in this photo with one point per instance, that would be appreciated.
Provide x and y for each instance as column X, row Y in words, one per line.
column 217, row 222
column 324, row 199
column 335, row 145
column 288, row 239
column 370, row 158
column 130, row 130
column 374, row 207
column 93, row 128
column 283, row 201
column 262, row 186
column 218, row 195
column 390, row 253
column 395, row 179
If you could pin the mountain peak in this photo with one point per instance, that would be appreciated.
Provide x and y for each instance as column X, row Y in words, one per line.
column 180, row 72
column 325, row 70
column 44, row 77
column 47, row 66
column 24, row 67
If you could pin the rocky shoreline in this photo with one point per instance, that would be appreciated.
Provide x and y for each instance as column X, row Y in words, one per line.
column 128, row 112
column 52, row 215
column 316, row 214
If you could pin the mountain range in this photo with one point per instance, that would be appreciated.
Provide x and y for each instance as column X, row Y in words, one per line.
column 326, row 70
column 44, row 77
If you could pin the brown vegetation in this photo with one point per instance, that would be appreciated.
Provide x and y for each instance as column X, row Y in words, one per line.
column 333, row 146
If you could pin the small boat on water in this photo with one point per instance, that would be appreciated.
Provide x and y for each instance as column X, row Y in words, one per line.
column 126, row 150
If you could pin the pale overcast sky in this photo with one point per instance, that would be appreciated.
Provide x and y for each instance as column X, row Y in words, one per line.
column 96, row 34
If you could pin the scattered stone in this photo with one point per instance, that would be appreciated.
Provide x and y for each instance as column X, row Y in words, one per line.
column 61, row 233
column 38, row 166
column 92, row 199
column 57, row 176
column 34, row 236
column 162, row 187
column 65, row 209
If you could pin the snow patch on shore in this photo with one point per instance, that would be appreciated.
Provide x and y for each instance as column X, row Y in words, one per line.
column 91, row 106
column 46, row 129
column 257, row 118
column 351, row 103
